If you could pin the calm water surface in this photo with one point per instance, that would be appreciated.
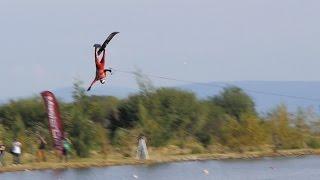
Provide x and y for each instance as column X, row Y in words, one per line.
column 267, row 168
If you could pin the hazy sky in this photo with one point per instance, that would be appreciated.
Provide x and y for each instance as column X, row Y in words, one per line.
column 47, row 44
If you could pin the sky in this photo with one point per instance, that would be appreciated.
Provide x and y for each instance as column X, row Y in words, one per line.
column 48, row 44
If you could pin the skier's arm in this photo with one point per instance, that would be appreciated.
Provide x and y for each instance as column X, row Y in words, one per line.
column 91, row 84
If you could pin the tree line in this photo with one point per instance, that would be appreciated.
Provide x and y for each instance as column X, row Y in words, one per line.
column 226, row 122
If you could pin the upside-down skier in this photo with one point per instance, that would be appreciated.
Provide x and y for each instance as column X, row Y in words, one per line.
column 101, row 72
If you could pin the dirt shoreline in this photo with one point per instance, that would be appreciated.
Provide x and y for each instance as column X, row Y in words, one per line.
column 94, row 162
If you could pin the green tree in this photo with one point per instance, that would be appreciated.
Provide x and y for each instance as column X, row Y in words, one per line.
column 80, row 97
column 284, row 135
column 101, row 107
column 81, row 129
column 18, row 127
column 174, row 113
column 210, row 124
column 30, row 110
column 82, row 133
column 235, row 102
column 300, row 123
column 248, row 132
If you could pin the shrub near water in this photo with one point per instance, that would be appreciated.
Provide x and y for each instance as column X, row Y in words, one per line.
column 313, row 142
column 283, row 135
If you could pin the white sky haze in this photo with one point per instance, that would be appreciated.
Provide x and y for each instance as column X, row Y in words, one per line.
column 47, row 44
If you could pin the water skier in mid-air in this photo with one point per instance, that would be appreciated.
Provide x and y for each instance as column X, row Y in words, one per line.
column 101, row 73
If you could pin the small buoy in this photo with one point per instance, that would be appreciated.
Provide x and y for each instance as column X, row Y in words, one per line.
column 135, row 176
column 271, row 167
column 206, row 171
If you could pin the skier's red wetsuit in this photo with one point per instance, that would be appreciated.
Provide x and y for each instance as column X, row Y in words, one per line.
column 101, row 73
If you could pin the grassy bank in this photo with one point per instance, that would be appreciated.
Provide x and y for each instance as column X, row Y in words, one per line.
column 113, row 160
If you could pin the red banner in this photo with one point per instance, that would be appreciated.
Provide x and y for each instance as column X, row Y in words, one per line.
column 54, row 118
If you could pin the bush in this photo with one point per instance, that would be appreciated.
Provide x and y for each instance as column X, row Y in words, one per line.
column 313, row 142
column 125, row 141
column 82, row 133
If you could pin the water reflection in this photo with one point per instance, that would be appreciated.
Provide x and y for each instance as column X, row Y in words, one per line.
column 266, row 168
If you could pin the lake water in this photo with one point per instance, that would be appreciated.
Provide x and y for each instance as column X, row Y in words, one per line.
column 307, row 167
